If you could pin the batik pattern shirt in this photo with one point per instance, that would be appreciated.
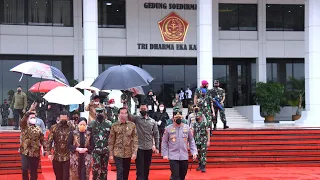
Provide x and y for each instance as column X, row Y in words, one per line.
column 58, row 135
column 123, row 139
column 31, row 139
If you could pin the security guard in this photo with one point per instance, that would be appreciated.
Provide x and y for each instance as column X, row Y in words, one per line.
column 201, row 134
column 175, row 147
column 218, row 94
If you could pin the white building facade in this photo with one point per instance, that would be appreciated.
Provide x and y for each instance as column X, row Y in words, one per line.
column 239, row 42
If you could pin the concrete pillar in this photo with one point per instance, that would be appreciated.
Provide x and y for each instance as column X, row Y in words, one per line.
column 204, row 41
column 312, row 56
column 261, row 62
column 90, row 41
column 78, row 45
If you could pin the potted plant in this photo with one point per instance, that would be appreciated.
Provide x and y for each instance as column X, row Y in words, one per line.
column 269, row 96
column 298, row 93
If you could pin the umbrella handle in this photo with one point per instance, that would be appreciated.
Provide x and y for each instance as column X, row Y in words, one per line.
column 21, row 77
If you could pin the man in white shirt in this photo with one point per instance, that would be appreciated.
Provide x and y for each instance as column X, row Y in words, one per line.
column 188, row 94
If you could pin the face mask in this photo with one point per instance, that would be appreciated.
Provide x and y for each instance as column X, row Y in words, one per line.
column 5, row 102
column 96, row 103
column 63, row 121
column 161, row 108
column 178, row 121
column 143, row 113
column 32, row 120
column 19, row 91
column 82, row 128
column 75, row 118
column 197, row 118
column 216, row 85
column 111, row 105
column 99, row 117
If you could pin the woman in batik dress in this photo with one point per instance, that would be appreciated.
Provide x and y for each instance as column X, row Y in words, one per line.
column 80, row 144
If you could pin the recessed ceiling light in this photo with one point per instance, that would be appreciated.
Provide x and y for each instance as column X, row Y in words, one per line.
column 109, row 4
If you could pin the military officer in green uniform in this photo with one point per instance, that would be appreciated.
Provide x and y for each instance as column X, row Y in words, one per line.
column 126, row 99
column 193, row 115
column 201, row 134
column 100, row 129
column 203, row 99
column 177, row 114
column 112, row 111
column 218, row 94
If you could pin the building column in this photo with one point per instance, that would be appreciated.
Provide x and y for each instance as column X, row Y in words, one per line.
column 77, row 47
column 204, row 41
column 312, row 56
column 261, row 62
column 90, row 42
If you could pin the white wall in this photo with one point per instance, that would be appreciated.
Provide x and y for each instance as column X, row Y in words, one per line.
column 141, row 26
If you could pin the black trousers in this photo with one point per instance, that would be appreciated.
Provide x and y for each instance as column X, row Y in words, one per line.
column 123, row 167
column 61, row 169
column 143, row 163
column 17, row 115
column 29, row 163
column 178, row 169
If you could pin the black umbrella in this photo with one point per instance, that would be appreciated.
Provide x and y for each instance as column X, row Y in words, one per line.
column 122, row 77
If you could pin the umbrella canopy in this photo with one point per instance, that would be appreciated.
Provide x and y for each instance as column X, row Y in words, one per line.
column 137, row 90
column 40, row 70
column 122, row 77
column 64, row 95
column 86, row 84
column 45, row 86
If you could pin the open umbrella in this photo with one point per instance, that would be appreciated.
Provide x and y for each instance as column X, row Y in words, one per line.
column 64, row 95
column 45, row 86
column 86, row 84
column 137, row 90
column 122, row 77
column 40, row 70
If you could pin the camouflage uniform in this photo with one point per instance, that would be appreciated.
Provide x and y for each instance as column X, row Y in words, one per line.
column 5, row 113
column 218, row 93
column 112, row 114
column 204, row 103
column 100, row 132
column 126, row 98
column 201, row 138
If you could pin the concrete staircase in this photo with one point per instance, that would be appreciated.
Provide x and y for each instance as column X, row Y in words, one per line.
column 234, row 118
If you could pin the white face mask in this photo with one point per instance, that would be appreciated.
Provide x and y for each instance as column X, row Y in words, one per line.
column 161, row 108
column 111, row 105
column 96, row 103
column 32, row 120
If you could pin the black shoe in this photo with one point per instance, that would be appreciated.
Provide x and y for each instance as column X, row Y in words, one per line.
column 199, row 168
column 203, row 169
column 225, row 126
column 215, row 127
column 15, row 128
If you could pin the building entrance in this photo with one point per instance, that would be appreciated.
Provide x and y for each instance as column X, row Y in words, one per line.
column 235, row 78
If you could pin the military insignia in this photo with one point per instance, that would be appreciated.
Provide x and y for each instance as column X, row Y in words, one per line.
column 173, row 130
column 173, row 28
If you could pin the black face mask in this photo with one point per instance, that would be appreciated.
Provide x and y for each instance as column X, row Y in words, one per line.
column 63, row 121
column 19, row 91
column 178, row 121
column 197, row 119
column 100, row 117
column 143, row 113
column 75, row 118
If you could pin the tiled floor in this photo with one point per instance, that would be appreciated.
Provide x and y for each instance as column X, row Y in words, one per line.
column 268, row 173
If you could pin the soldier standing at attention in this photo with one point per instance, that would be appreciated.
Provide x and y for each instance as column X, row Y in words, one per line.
column 201, row 134
column 218, row 94
column 100, row 129
column 175, row 148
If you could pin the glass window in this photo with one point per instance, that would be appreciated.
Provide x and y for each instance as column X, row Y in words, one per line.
column 253, row 76
column 228, row 17
column 298, row 70
column 248, row 17
column 155, row 71
column 111, row 13
column 288, row 75
column 293, row 18
column 13, row 11
column 190, row 72
column 40, row 12
column 237, row 17
column 173, row 73
column 285, row 17
column 62, row 12
column 220, row 73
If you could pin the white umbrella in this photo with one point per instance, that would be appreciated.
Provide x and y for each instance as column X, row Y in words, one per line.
column 65, row 95
column 86, row 84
